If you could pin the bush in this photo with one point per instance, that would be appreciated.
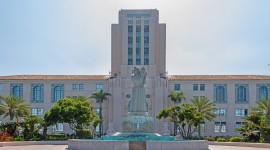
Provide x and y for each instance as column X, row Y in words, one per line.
column 19, row 138
column 5, row 137
column 56, row 137
column 221, row 139
column 235, row 139
column 209, row 138
column 84, row 134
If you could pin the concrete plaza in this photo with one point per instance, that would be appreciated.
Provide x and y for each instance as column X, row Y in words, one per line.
column 64, row 147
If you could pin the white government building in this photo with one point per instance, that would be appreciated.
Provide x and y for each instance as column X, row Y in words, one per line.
column 140, row 40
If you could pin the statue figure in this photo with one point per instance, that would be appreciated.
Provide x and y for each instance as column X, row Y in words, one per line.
column 138, row 99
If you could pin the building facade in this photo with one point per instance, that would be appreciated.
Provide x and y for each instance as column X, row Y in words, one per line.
column 139, row 40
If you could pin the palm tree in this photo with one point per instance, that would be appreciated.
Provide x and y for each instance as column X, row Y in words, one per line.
column 205, row 108
column 263, row 106
column 31, row 121
column 100, row 96
column 176, row 97
column 14, row 107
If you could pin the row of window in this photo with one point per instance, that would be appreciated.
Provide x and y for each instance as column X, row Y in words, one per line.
column 138, row 45
column 177, row 87
column 37, row 91
column 239, row 112
column 241, row 92
column 130, row 22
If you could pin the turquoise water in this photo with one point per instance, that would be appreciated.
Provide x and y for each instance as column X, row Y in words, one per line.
column 138, row 137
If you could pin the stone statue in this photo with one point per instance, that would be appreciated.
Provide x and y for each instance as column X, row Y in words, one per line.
column 138, row 99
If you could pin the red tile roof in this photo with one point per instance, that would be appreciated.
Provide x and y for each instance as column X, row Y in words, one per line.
column 105, row 77
column 55, row 77
column 218, row 77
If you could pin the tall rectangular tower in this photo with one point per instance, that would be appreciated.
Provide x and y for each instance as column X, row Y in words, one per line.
column 138, row 40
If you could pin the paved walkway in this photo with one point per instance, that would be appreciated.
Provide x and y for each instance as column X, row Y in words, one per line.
column 64, row 147
column 219, row 147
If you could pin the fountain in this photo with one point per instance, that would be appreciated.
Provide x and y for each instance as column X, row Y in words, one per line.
column 137, row 128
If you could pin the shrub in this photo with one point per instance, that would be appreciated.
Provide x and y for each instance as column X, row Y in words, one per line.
column 84, row 134
column 209, row 138
column 235, row 139
column 56, row 137
column 19, row 138
column 221, row 139
column 5, row 137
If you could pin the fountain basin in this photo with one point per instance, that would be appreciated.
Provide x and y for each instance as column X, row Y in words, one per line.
column 84, row 144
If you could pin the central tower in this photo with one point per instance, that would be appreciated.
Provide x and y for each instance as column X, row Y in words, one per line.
column 138, row 40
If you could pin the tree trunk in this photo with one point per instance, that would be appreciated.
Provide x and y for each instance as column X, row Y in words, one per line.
column 31, row 130
column 44, row 134
column 100, row 117
column 199, row 130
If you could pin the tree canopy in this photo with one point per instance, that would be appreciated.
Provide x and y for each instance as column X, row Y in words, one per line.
column 14, row 107
column 77, row 112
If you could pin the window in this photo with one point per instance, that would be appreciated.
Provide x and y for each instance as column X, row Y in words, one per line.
column 146, row 61
column 130, row 21
column 74, row 87
column 177, row 87
column 138, row 21
column 202, row 126
column 138, row 39
column 195, row 87
column 37, row 93
column 138, row 61
column 220, row 93
column 146, row 28
column 81, row 87
column 241, row 112
column 241, row 93
column 58, row 127
column 130, row 61
column 202, row 87
column 263, row 93
column 138, row 29
column 220, row 127
column 130, row 28
column 1, row 86
column 16, row 90
column 146, row 21
column 37, row 111
column 146, row 39
column 239, row 124
column 57, row 92
column 99, row 87
column 221, row 112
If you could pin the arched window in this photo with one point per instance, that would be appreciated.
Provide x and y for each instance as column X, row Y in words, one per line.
column 220, row 94
column 241, row 94
column 57, row 93
column 16, row 91
column 263, row 92
column 37, row 93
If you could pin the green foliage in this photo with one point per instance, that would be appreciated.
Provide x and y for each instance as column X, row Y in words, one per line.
column 84, row 134
column 9, row 127
column 32, row 125
column 258, row 126
column 14, row 107
column 209, row 138
column 185, row 116
column 56, row 137
column 176, row 96
column 19, row 138
column 235, row 139
column 77, row 112
column 205, row 108
column 221, row 139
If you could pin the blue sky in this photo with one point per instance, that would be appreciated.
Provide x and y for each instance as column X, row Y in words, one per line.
column 73, row 37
